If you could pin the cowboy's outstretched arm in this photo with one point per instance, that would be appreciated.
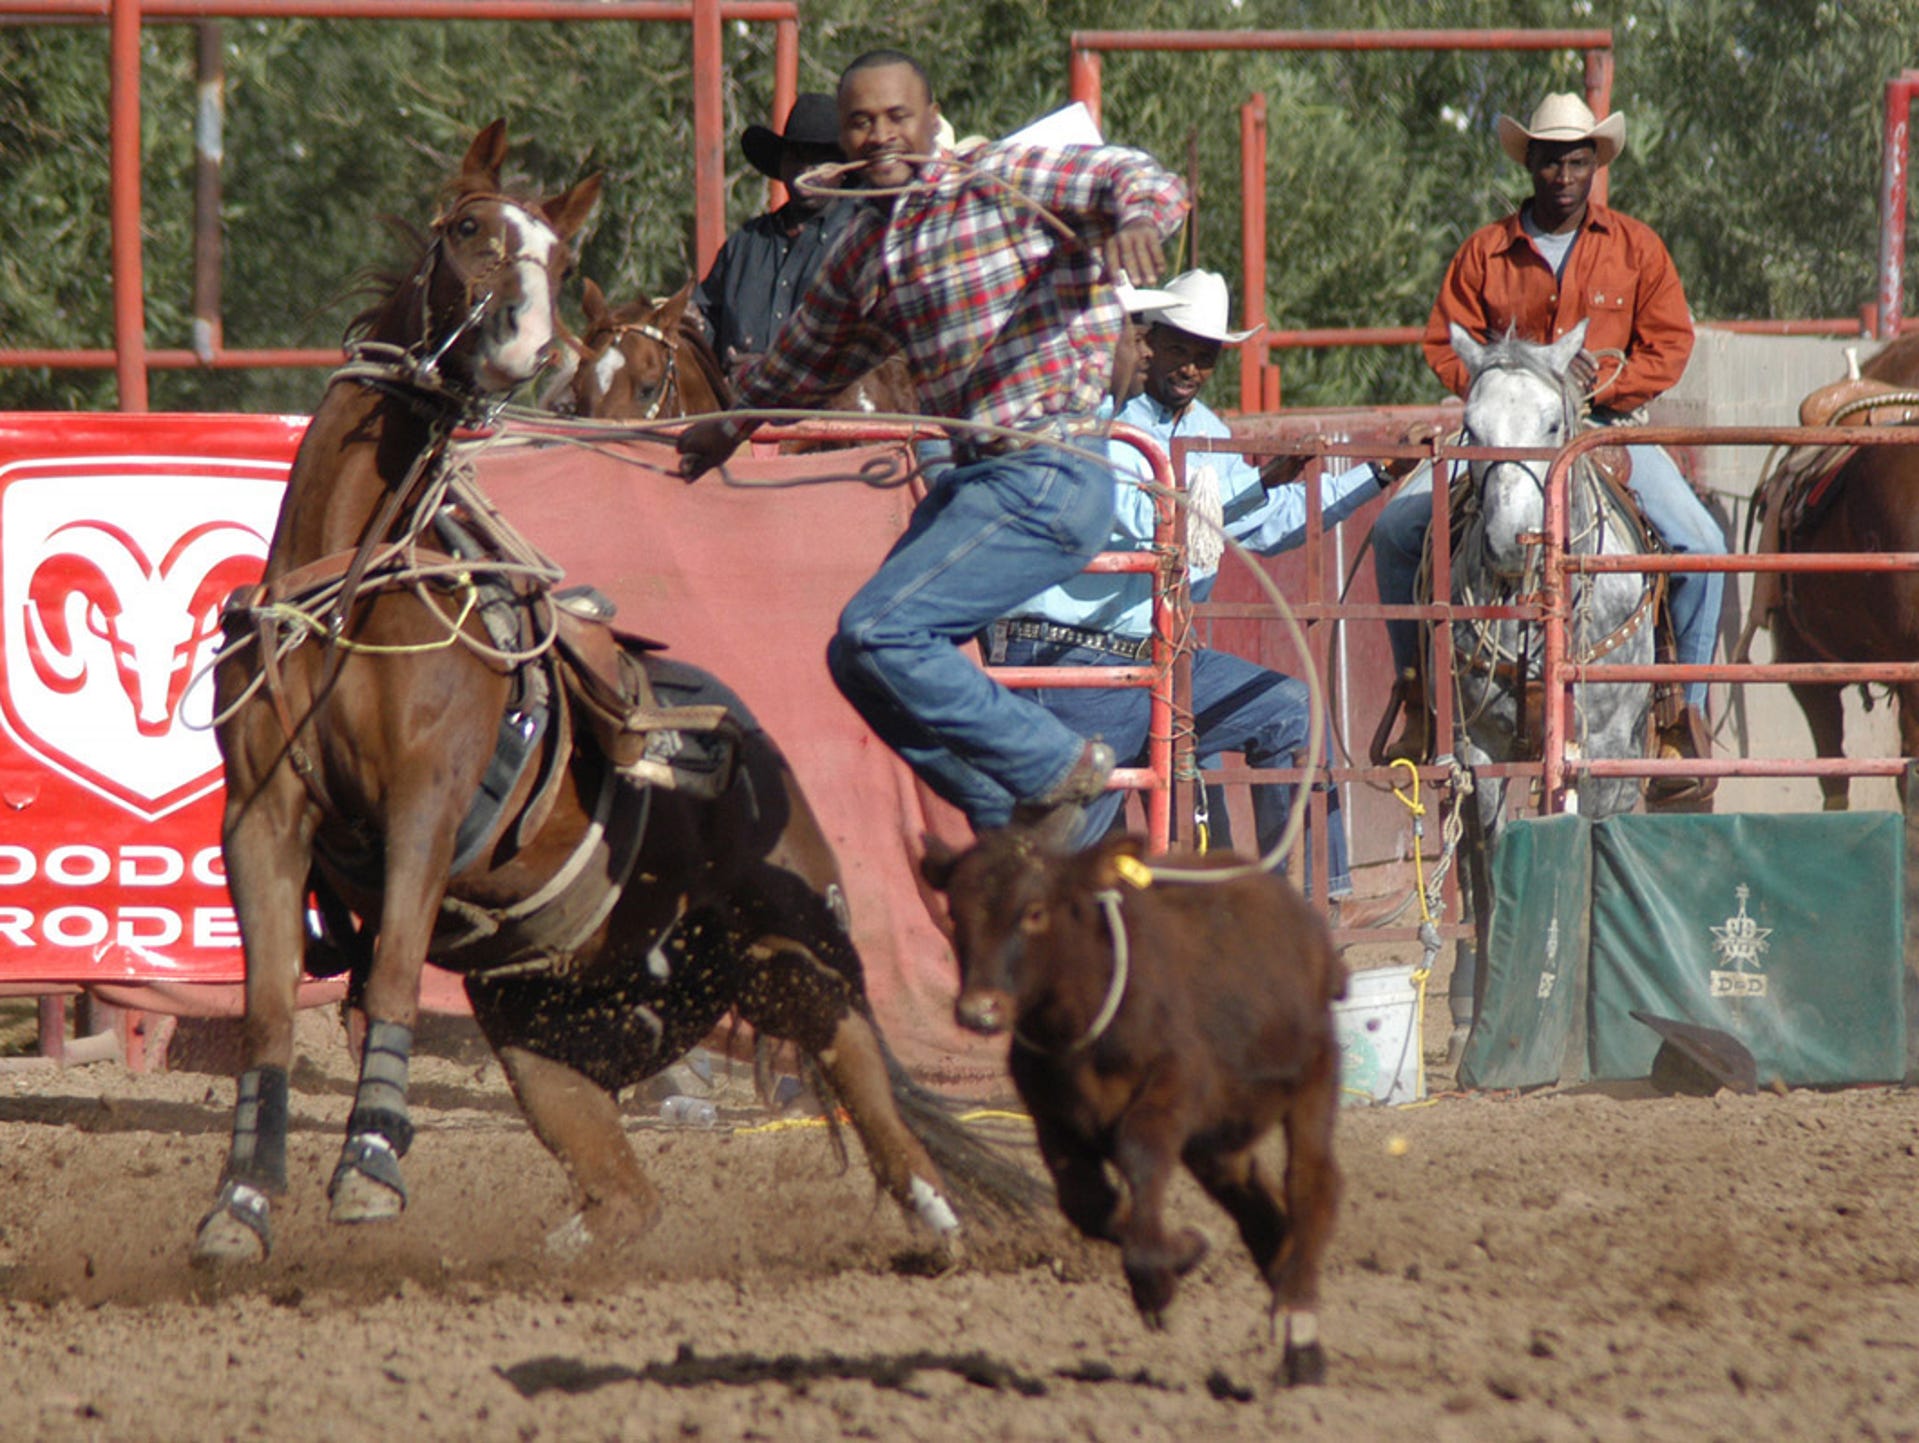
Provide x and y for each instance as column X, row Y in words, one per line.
column 1135, row 252
column 707, row 443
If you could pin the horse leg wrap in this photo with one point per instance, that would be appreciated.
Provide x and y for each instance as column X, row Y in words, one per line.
column 258, row 1157
column 379, row 1131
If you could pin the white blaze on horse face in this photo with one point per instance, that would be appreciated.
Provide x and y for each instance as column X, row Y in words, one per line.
column 531, row 245
column 1512, row 408
column 606, row 370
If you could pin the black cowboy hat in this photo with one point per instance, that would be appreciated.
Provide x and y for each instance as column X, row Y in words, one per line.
column 814, row 122
column 1695, row 1061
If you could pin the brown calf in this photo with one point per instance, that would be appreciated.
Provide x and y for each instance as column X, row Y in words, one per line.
column 1155, row 1022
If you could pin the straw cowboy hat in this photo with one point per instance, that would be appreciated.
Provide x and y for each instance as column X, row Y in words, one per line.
column 1199, row 307
column 813, row 122
column 1562, row 118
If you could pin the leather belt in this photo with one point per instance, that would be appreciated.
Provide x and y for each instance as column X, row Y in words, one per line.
column 968, row 449
column 1019, row 628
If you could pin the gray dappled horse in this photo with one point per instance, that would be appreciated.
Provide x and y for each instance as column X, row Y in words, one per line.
column 1521, row 396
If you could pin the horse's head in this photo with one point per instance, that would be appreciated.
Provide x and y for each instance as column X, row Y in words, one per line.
column 642, row 361
column 481, row 307
column 1521, row 396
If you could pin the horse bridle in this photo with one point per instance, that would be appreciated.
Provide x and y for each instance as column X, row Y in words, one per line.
column 1485, row 654
column 670, row 382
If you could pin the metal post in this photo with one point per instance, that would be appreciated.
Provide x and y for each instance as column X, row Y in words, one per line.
column 1893, row 156
column 1253, row 356
column 1082, row 79
column 709, row 139
column 209, row 152
column 53, row 1026
column 129, row 281
column 1599, row 64
column 786, row 89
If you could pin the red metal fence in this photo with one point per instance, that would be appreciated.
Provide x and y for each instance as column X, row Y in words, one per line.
column 130, row 357
column 1259, row 374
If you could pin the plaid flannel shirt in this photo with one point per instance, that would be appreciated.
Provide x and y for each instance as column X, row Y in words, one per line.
column 1001, row 319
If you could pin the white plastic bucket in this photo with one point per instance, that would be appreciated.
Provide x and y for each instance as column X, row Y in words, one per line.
column 1379, row 1049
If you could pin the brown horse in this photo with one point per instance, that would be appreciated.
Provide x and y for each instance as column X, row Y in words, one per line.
column 1848, row 500
column 646, row 360
column 650, row 360
column 418, row 735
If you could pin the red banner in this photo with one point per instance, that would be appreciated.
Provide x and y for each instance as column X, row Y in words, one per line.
column 120, row 536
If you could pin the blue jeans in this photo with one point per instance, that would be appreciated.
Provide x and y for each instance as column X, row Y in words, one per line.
column 1238, row 707
column 1675, row 512
column 988, row 536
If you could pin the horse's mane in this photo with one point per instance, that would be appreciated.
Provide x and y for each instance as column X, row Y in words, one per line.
column 693, row 336
column 1509, row 353
column 392, row 286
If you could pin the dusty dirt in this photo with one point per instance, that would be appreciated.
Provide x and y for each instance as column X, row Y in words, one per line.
column 1608, row 1265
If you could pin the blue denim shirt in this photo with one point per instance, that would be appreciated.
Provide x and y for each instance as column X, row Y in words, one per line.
column 1263, row 521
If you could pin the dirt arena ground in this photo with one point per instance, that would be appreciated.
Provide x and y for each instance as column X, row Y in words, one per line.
column 1603, row 1265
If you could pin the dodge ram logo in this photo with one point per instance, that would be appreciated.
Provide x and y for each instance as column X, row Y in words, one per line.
column 112, row 574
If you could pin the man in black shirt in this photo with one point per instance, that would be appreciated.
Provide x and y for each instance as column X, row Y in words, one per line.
column 766, row 265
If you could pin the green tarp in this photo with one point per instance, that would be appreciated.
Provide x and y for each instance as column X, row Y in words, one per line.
column 1786, row 931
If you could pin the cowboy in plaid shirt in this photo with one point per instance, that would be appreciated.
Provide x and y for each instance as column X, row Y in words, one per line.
column 1007, row 324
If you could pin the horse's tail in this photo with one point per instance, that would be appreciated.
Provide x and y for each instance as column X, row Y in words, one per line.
column 988, row 1184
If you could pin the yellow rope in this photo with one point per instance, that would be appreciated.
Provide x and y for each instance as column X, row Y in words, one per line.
column 287, row 612
column 783, row 1124
column 1424, row 970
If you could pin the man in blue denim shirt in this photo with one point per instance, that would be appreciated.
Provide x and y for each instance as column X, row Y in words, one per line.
column 1106, row 619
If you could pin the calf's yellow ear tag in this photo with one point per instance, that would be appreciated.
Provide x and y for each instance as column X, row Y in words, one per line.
column 1134, row 871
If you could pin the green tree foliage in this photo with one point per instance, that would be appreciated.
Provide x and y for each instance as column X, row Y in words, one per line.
column 1754, row 138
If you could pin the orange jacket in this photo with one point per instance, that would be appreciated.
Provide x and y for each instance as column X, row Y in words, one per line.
column 1619, row 277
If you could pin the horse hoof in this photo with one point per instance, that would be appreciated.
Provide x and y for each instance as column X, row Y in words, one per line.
column 225, row 1242
column 236, row 1231
column 357, row 1198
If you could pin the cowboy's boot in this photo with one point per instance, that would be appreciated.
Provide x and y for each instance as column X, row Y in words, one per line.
column 1689, row 736
column 1415, row 740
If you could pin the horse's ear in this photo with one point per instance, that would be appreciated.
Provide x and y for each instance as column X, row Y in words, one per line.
column 592, row 301
column 1465, row 347
column 568, row 211
column 481, row 168
column 674, row 306
column 1560, row 356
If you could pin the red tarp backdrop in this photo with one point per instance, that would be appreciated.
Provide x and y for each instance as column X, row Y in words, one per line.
column 119, row 536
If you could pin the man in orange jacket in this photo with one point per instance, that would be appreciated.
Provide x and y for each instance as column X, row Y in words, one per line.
column 1559, row 259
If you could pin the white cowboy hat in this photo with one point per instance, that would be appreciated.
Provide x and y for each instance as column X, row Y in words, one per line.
column 1141, row 298
column 1561, row 118
column 1199, row 307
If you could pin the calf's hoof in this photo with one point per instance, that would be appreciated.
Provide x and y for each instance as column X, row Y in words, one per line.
column 1304, row 1365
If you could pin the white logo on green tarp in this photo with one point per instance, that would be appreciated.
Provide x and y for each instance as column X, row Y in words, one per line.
column 1550, row 973
column 1739, row 944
